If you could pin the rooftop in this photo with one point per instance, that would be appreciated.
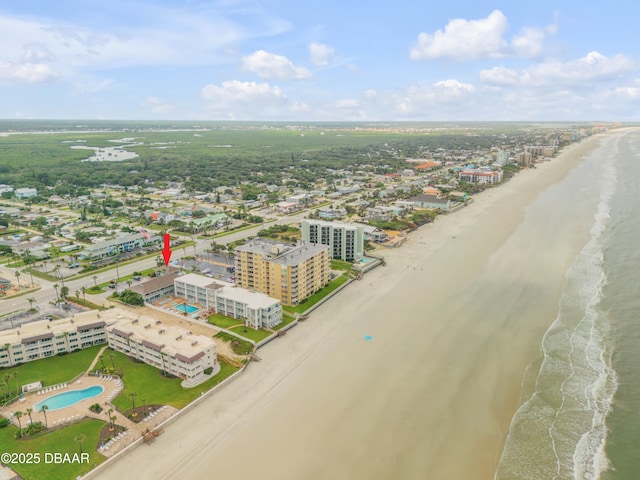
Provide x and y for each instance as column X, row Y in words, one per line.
column 169, row 339
column 282, row 253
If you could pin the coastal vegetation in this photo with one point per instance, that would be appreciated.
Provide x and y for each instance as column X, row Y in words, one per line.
column 261, row 154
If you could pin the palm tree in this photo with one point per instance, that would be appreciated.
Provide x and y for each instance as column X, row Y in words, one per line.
column 84, row 293
column 29, row 410
column 77, row 292
column 101, row 358
column 31, row 301
column 80, row 438
column 14, row 374
column 133, row 396
column 18, row 416
column 7, row 377
column 113, row 363
column 31, row 276
column 144, row 408
column 95, row 280
column 55, row 285
column 18, row 279
column 111, row 419
column 44, row 409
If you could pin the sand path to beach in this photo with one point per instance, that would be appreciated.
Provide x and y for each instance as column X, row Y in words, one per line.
column 454, row 323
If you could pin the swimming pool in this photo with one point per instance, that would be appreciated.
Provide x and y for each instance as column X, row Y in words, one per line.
column 66, row 399
column 185, row 307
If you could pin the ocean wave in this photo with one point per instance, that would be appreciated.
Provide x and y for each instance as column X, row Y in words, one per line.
column 560, row 431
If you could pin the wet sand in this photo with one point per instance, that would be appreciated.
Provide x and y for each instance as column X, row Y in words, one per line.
column 454, row 324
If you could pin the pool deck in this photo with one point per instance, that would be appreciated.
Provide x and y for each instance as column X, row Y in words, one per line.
column 66, row 415
column 79, row 411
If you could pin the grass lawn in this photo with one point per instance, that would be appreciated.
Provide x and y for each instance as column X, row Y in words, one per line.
column 316, row 297
column 59, row 441
column 340, row 265
column 147, row 382
column 251, row 334
column 85, row 303
column 286, row 320
column 223, row 321
column 52, row 370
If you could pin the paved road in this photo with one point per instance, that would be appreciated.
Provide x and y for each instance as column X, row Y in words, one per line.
column 47, row 293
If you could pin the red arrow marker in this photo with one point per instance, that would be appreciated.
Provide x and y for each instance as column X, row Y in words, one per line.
column 166, row 251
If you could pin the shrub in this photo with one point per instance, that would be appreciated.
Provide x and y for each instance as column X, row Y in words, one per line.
column 208, row 371
column 4, row 422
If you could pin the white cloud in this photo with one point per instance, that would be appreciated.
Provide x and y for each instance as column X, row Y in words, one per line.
column 235, row 91
column 480, row 39
column 269, row 65
column 464, row 39
column 529, row 43
column 156, row 105
column 454, row 87
column 321, row 54
column 592, row 67
column 201, row 34
column 27, row 72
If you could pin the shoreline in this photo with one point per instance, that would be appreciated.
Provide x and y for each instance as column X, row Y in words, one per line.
column 245, row 409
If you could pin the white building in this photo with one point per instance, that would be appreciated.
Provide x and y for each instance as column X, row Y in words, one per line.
column 123, row 243
column 25, row 192
column 345, row 240
column 502, row 157
column 172, row 349
column 481, row 176
column 46, row 338
column 256, row 309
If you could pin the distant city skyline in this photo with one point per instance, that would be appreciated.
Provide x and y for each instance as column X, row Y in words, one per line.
column 312, row 61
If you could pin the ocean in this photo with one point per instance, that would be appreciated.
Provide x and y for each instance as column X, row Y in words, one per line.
column 580, row 412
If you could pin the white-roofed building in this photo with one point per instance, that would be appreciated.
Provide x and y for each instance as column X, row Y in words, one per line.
column 172, row 349
column 256, row 309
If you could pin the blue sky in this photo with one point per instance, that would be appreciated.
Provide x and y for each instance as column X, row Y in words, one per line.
column 320, row 60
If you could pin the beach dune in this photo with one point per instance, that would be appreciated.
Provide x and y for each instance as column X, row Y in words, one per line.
column 454, row 323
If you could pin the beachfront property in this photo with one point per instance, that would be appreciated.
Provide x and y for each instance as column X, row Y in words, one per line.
column 502, row 157
column 524, row 158
column 121, row 244
column 373, row 234
column 46, row 338
column 431, row 201
column 290, row 273
column 172, row 349
column 345, row 240
column 481, row 176
column 256, row 309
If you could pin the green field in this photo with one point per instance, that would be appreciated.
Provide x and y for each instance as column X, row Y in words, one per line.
column 153, row 388
column 63, row 441
column 49, row 160
column 316, row 297
column 53, row 370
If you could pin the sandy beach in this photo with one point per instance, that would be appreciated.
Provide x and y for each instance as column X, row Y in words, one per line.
column 454, row 324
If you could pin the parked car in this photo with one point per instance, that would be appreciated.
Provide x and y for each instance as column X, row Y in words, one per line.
column 137, row 277
column 112, row 285
column 74, row 265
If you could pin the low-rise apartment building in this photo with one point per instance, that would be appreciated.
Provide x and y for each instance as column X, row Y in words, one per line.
column 256, row 309
column 172, row 349
column 47, row 338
